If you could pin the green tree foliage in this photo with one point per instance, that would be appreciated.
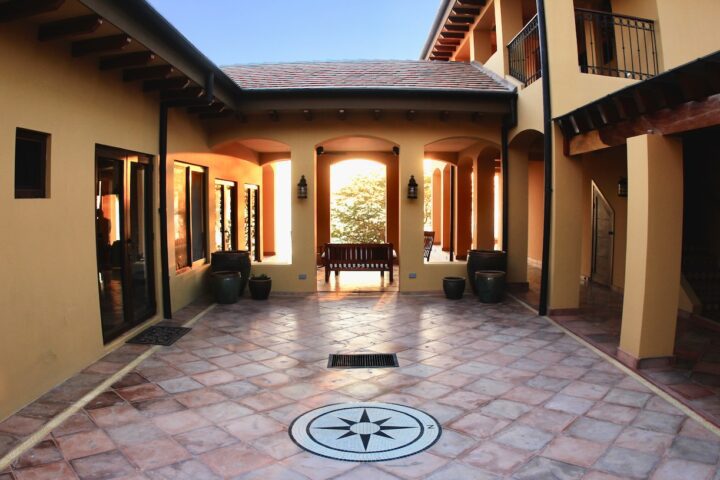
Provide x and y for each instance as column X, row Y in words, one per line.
column 357, row 212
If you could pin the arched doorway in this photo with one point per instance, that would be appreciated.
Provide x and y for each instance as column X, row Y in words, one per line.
column 357, row 202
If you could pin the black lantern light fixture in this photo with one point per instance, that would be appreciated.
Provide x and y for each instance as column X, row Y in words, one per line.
column 622, row 187
column 412, row 188
column 302, row 189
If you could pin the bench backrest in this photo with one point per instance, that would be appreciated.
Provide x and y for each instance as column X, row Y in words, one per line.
column 377, row 253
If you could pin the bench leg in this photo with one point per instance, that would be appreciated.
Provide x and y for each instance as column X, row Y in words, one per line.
column 391, row 273
column 327, row 274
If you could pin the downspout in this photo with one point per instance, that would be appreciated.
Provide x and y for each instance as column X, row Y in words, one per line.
column 162, row 150
column 547, row 157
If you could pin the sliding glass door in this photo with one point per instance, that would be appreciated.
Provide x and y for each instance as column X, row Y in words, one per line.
column 123, row 225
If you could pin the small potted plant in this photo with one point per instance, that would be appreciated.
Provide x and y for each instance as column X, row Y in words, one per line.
column 260, row 286
column 454, row 287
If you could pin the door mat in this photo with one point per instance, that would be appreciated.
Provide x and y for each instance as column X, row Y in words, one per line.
column 160, row 335
column 363, row 360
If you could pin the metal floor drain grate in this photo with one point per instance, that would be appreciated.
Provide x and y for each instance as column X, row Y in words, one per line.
column 160, row 335
column 362, row 360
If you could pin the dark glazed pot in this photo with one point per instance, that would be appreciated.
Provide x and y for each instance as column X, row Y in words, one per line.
column 484, row 260
column 490, row 285
column 225, row 286
column 260, row 288
column 454, row 287
column 233, row 261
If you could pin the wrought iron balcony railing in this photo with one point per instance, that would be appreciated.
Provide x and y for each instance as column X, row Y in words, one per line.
column 524, row 53
column 616, row 45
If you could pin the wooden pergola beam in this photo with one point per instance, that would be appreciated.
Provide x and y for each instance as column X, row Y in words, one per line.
column 18, row 9
column 216, row 107
column 100, row 45
column 445, row 48
column 461, row 19
column 184, row 94
column 133, row 59
column 148, row 73
column 69, row 27
column 452, row 35
column 457, row 28
column 448, row 41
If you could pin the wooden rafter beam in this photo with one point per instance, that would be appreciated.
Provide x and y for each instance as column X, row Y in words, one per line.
column 452, row 35
column 445, row 48
column 134, row 59
column 213, row 115
column 461, row 19
column 448, row 41
column 684, row 118
column 472, row 3
column 100, row 45
column 442, row 54
column 148, row 73
column 184, row 94
column 216, row 107
column 69, row 27
column 18, row 9
column 441, row 59
column 457, row 28
column 174, row 83
column 466, row 11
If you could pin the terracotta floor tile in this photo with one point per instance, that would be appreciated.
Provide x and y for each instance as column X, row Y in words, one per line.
column 80, row 422
column 252, row 426
column 85, row 444
column 156, row 453
column 115, row 416
column 205, row 439
column 180, row 422
column 317, row 468
column 235, row 460
column 21, row 426
column 200, row 398
column 102, row 466
column 495, row 458
column 43, row 453
column 575, row 451
column 52, row 471
column 141, row 392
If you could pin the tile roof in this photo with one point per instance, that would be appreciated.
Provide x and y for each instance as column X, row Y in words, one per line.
column 371, row 75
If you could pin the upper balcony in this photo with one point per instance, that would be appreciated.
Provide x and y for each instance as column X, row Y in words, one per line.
column 608, row 44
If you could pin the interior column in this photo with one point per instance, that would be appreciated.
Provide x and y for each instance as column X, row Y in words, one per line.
column 485, row 203
column 268, row 210
column 437, row 202
column 323, row 199
column 412, row 268
column 654, row 248
column 304, row 217
column 393, row 199
column 446, row 208
column 463, row 225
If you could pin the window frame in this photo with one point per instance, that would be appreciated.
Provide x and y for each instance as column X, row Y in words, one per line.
column 189, row 169
column 43, row 139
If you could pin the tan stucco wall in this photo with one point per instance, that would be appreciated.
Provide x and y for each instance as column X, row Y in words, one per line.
column 536, row 186
column 410, row 136
column 48, row 283
column 687, row 29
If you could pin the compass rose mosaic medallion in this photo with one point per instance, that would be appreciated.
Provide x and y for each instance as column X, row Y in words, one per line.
column 365, row 432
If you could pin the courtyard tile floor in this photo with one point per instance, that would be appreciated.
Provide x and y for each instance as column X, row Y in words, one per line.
column 517, row 398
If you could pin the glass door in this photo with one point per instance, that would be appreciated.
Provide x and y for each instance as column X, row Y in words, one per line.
column 225, row 208
column 123, row 224
column 252, row 221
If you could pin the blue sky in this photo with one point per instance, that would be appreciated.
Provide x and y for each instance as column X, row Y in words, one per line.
column 255, row 31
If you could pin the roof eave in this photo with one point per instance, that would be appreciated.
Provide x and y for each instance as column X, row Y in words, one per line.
column 442, row 14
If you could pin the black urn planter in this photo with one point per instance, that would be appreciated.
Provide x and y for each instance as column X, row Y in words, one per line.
column 454, row 287
column 490, row 285
column 260, row 287
column 225, row 286
column 484, row 260
column 232, row 261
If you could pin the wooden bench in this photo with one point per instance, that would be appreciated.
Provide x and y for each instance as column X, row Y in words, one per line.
column 428, row 242
column 358, row 257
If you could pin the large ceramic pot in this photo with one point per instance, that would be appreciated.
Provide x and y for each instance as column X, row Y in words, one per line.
column 260, row 287
column 225, row 286
column 233, row 261
column 484, row 260
column 490, row 285
column 454, row 287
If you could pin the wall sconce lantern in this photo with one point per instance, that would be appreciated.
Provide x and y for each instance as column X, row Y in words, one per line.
column 302, row 189
column 622, row 187
column 412, row 188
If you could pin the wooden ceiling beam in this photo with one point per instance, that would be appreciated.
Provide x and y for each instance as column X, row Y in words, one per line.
column 212, row 115
column 452, row 35
column 184, row 94
column 212, row 108
column 445, row 48
column 442, row 54
column 100, row 45
column 18, row 9
column 134, row 59
column 448, row 41
column 457, row 28
column 69, row 27
column 472, row 3
column 148, row 73
column 173, row 83
column 466, row 11
column 461, row 19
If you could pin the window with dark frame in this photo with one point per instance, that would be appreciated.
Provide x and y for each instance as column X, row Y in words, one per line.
column 31, row 164
column 190, row 201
